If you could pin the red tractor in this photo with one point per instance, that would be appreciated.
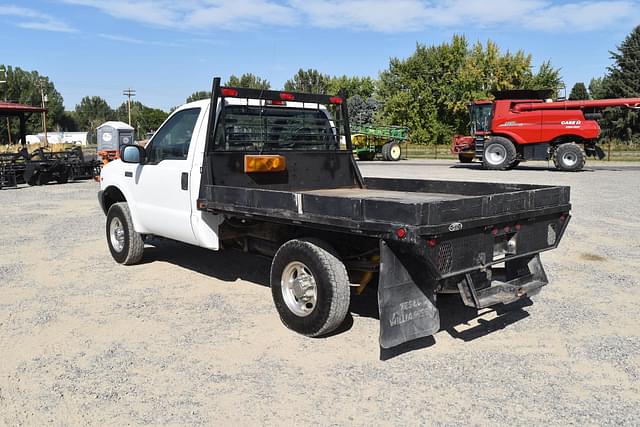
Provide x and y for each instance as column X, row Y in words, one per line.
column 524, row 125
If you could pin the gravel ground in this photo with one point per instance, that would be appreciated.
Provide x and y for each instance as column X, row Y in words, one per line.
column 190, row 337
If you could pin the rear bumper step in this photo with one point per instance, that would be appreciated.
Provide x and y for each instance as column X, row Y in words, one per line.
column 500, row 292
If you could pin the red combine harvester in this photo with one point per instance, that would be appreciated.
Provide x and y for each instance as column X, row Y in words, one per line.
column 524, row 125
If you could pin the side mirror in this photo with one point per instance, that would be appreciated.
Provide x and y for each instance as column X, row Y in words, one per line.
column 132, row 153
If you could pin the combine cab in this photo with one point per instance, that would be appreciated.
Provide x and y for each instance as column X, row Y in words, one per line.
column 524, row 125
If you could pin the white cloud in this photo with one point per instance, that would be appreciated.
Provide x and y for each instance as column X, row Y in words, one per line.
column 35, row 20
column 132, row 40
column 373, row 15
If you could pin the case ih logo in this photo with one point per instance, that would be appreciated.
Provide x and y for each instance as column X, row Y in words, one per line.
column 571, row 122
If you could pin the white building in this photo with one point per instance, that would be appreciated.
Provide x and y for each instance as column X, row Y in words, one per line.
column 75, row 138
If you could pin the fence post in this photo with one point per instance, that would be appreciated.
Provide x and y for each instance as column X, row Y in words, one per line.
column 609, row 152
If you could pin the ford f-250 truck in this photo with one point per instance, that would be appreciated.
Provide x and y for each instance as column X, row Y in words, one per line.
column 273, row 173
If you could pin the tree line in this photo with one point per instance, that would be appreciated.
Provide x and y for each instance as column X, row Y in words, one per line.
column 428, row 91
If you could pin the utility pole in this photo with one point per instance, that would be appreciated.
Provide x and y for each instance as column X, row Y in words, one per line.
column 4, row 81
column 44, row 99
column 129, row 93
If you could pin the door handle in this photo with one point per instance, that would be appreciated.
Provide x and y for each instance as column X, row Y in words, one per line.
column 128, row 174
column 184, row 181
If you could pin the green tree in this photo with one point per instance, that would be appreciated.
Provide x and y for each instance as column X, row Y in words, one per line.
column 429, row 91
column 597, row 89
column 144, row 119
column 24, row 87
column 364, row 87
column 623, row 81
column 197, row 96
column 248, row 80
column 91, row 112
column 579, row 92
column 363, row 110
column 310, row 81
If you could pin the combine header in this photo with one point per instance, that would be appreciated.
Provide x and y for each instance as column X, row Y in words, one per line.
column 524, row 125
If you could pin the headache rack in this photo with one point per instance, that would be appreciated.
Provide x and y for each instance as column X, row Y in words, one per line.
column 270, row 120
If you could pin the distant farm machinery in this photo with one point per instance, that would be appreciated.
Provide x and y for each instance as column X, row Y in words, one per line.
column 44, row 165
column 386, row 142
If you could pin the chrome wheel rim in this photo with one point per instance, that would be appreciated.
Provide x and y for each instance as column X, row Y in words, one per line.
column 299, row 289
column 569, row 159
column 496, row 154
column 395, row 152
column 116, row 234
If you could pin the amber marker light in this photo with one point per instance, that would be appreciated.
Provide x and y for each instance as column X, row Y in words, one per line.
column 264, row 163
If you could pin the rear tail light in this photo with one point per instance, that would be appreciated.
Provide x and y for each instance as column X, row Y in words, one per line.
column 335, row 100
column 432, row 243
column 286, row 96
column 401, row 233
column 276, row 102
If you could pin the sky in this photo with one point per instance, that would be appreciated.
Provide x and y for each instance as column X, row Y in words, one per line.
column 168, row 49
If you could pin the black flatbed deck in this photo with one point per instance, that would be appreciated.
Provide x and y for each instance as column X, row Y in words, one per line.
column 427, row 206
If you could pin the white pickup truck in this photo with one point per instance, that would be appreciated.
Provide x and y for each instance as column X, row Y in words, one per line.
column 266, row 172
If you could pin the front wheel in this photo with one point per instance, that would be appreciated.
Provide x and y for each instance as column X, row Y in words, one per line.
column 310, row 287
column 125, row 244
column 569, row 157
column 499, row 153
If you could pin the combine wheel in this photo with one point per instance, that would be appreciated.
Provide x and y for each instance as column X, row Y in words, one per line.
column 125, row 244
column 514, row 164
column 499, row 154
column 391, row 151
column 310, row 287
column 569, row 157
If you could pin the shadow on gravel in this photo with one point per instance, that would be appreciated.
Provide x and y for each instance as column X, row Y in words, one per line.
column 454, row 315
column 227, row 265
column 231, row 265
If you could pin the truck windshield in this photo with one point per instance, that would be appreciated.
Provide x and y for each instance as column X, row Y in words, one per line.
column 480, row 117
column 266, row 128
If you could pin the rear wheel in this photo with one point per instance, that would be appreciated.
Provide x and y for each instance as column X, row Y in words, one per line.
column 569, row 157
column 310, row 287
column 499, row 154
column 125, row 244
column 391, row 151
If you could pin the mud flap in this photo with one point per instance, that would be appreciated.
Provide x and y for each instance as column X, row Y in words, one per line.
column 407, row 310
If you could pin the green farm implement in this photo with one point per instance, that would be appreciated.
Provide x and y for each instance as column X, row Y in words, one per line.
column 386, row 142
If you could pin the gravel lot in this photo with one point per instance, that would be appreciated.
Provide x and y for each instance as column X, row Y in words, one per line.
column 190, row 337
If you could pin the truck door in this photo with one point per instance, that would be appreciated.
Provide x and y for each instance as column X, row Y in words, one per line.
column 161, row 187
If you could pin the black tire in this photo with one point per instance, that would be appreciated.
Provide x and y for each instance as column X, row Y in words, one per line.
column 332, row 292
column 132, row 246
column 465, row 158
column 366, row 155
column 498, row 154
column 391, row 151
column 514, row 164
column 569, row 157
